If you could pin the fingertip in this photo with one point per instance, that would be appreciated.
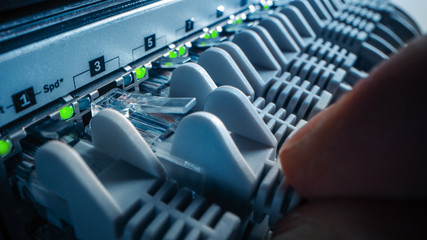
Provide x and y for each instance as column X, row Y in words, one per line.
column 296, row 153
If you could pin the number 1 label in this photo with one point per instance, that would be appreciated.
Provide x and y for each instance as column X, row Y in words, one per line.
column 189, row 25
column 24, row 99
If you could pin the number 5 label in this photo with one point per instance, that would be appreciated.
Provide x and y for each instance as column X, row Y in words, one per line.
column 150, row 42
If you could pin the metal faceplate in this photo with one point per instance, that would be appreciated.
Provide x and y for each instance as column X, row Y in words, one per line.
column 39, row 73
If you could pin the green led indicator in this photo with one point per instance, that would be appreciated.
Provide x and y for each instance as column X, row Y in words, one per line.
column 214, row 34
column 140, row 72
column 234, row 22
column 168, row 64
column 239, row 20
column 266, row 7
column 207, row 36
column 173, row 54
column 181, row 51
column 5, row 147
column 203, row 44
column 66, row 112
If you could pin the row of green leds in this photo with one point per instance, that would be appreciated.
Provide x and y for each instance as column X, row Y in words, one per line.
column 68, row 111
column 237, row 21
column 213, row 34
column 181, row 51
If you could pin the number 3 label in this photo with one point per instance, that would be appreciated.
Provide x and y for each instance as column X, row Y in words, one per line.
column 97, row 66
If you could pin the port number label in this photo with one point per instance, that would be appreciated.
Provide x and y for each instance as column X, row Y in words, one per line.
column 189, row 25
column 150, row 42
column 24, row 99
column 97, row 66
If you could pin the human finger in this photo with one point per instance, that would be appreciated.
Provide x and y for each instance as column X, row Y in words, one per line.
column 372, row 142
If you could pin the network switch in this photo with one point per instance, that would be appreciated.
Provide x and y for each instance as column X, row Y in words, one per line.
column 163, row 119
